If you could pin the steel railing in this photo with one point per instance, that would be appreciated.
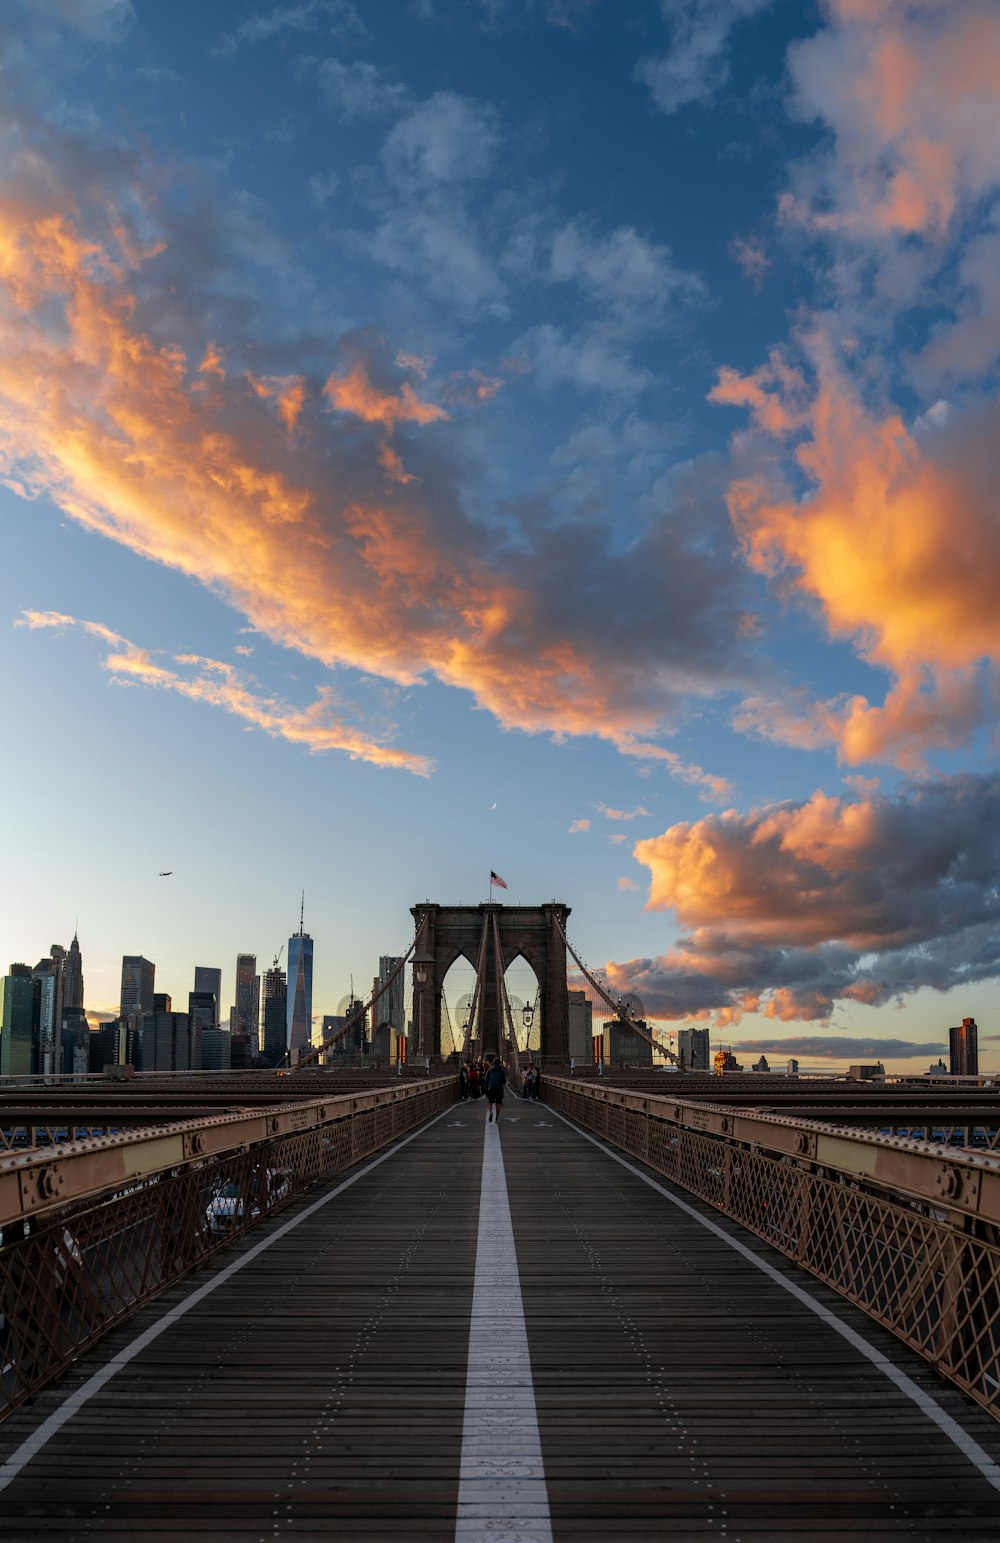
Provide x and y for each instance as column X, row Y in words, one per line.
column 92, row 1229
column 906, row 1230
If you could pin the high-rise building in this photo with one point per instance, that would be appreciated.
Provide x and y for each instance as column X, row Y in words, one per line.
column 300, row 989
column 72, row 975
column 202, row 1008
column 355, row 1041
column 168, row 1043
column 105, row 1045
column 275, row 1015
column 622, row 1047
column 581, row 1027
column 206, row 978
column 18, row 1022
column 137, row 988
column 216, row 1050
column 245, row 1018
column 693, row 1050
column 48, row 975
column 964, row 1049
column 332, row 1024
column 391, row 1005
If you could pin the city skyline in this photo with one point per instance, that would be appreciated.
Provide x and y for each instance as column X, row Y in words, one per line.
column 517, row 437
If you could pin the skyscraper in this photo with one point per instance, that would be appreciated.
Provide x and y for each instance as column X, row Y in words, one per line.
column 300, row 988
column 581, row 1027
column 138, row 975
column 167, row 1039
column 622, row 1047
column 246, row 1020
column 72, row 975
column 48, row 974
column 202, row 1009
column 391, row 1005
column 964, row 1048
column 693, row 1049
column 208, row 979
column 18, row 1020
column 275, row 1014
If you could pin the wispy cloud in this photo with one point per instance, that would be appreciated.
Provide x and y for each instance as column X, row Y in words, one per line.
column 623, row 814
column 336, row 17
column 579, row 825
column 697, row 64
column 319, row 727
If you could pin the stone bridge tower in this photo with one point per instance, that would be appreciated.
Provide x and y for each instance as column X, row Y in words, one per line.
column 453, row 931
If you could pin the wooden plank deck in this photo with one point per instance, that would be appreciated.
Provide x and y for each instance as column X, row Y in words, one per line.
column 319, row 1392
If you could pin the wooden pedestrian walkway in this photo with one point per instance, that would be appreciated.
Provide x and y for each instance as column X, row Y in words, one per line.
column 315, row 1381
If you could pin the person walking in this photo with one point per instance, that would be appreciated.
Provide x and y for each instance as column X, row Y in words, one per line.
column 463, row 1081
column 496, row 1080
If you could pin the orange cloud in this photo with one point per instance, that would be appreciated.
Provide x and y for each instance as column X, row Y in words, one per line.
column 715, row 789
column 787, row 909
column 912, row 94
column 776, row 394
column 898, row 543
column 289, row 393
column 354, row 393
column 309, row 543
column 211, row 363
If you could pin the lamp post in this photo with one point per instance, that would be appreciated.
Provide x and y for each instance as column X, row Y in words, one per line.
column 422, row 963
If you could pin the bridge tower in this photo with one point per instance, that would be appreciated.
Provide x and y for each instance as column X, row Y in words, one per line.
column 448, row 932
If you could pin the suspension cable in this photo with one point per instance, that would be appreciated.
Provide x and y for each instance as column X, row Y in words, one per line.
column 515, row 1055
column 471, row 1032
column 311, row 1057
column 620, row 1008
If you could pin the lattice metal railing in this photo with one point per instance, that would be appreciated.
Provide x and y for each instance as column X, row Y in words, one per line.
column 926, row 1270
column 68, row 1272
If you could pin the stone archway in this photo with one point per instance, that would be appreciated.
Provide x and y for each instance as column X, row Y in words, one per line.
column 445, row 931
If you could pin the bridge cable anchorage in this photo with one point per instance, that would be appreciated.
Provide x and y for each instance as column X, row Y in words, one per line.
column 621, row 1009
column 312, row 1056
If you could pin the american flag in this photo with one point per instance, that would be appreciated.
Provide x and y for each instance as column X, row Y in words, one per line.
column 497, row 880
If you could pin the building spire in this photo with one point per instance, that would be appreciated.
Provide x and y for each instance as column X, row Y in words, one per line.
column 302, row 916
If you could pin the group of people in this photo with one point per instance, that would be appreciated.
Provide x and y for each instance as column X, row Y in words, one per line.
column 488, row 1078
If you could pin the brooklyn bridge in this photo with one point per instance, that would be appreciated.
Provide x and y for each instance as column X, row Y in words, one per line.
column 335, row 1302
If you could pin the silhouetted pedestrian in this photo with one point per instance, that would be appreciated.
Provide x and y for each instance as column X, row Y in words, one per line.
column 496, row 1081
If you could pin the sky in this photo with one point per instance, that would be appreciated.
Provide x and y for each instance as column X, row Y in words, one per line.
column 535, row 435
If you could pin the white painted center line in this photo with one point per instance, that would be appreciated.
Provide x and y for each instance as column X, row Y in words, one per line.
column 502, row 1493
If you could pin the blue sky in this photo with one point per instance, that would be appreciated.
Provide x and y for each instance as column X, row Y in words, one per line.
column 455, row 435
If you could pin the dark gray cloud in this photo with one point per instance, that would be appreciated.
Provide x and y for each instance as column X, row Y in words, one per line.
column 833, row 1047
column 791, row 908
